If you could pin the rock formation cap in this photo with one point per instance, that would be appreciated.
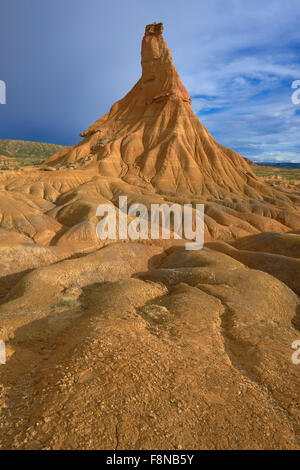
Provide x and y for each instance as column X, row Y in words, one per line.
column 154, row 28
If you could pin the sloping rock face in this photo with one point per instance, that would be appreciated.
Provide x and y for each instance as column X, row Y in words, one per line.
column 146, row 345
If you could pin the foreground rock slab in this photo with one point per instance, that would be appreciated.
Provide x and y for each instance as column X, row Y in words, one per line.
column 188, row 350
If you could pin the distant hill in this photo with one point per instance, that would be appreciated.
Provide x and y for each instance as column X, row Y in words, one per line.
column 288, row 165
column 28, row 152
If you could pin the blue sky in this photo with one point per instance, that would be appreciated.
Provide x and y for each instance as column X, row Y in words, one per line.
column 65, row 62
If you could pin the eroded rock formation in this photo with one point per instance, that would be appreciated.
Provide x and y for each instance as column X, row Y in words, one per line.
column 146, row 345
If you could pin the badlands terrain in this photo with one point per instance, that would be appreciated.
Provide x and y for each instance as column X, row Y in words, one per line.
column 145, row 345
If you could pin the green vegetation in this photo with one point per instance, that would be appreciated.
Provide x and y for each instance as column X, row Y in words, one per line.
column 289, row 174
column 28, row 153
